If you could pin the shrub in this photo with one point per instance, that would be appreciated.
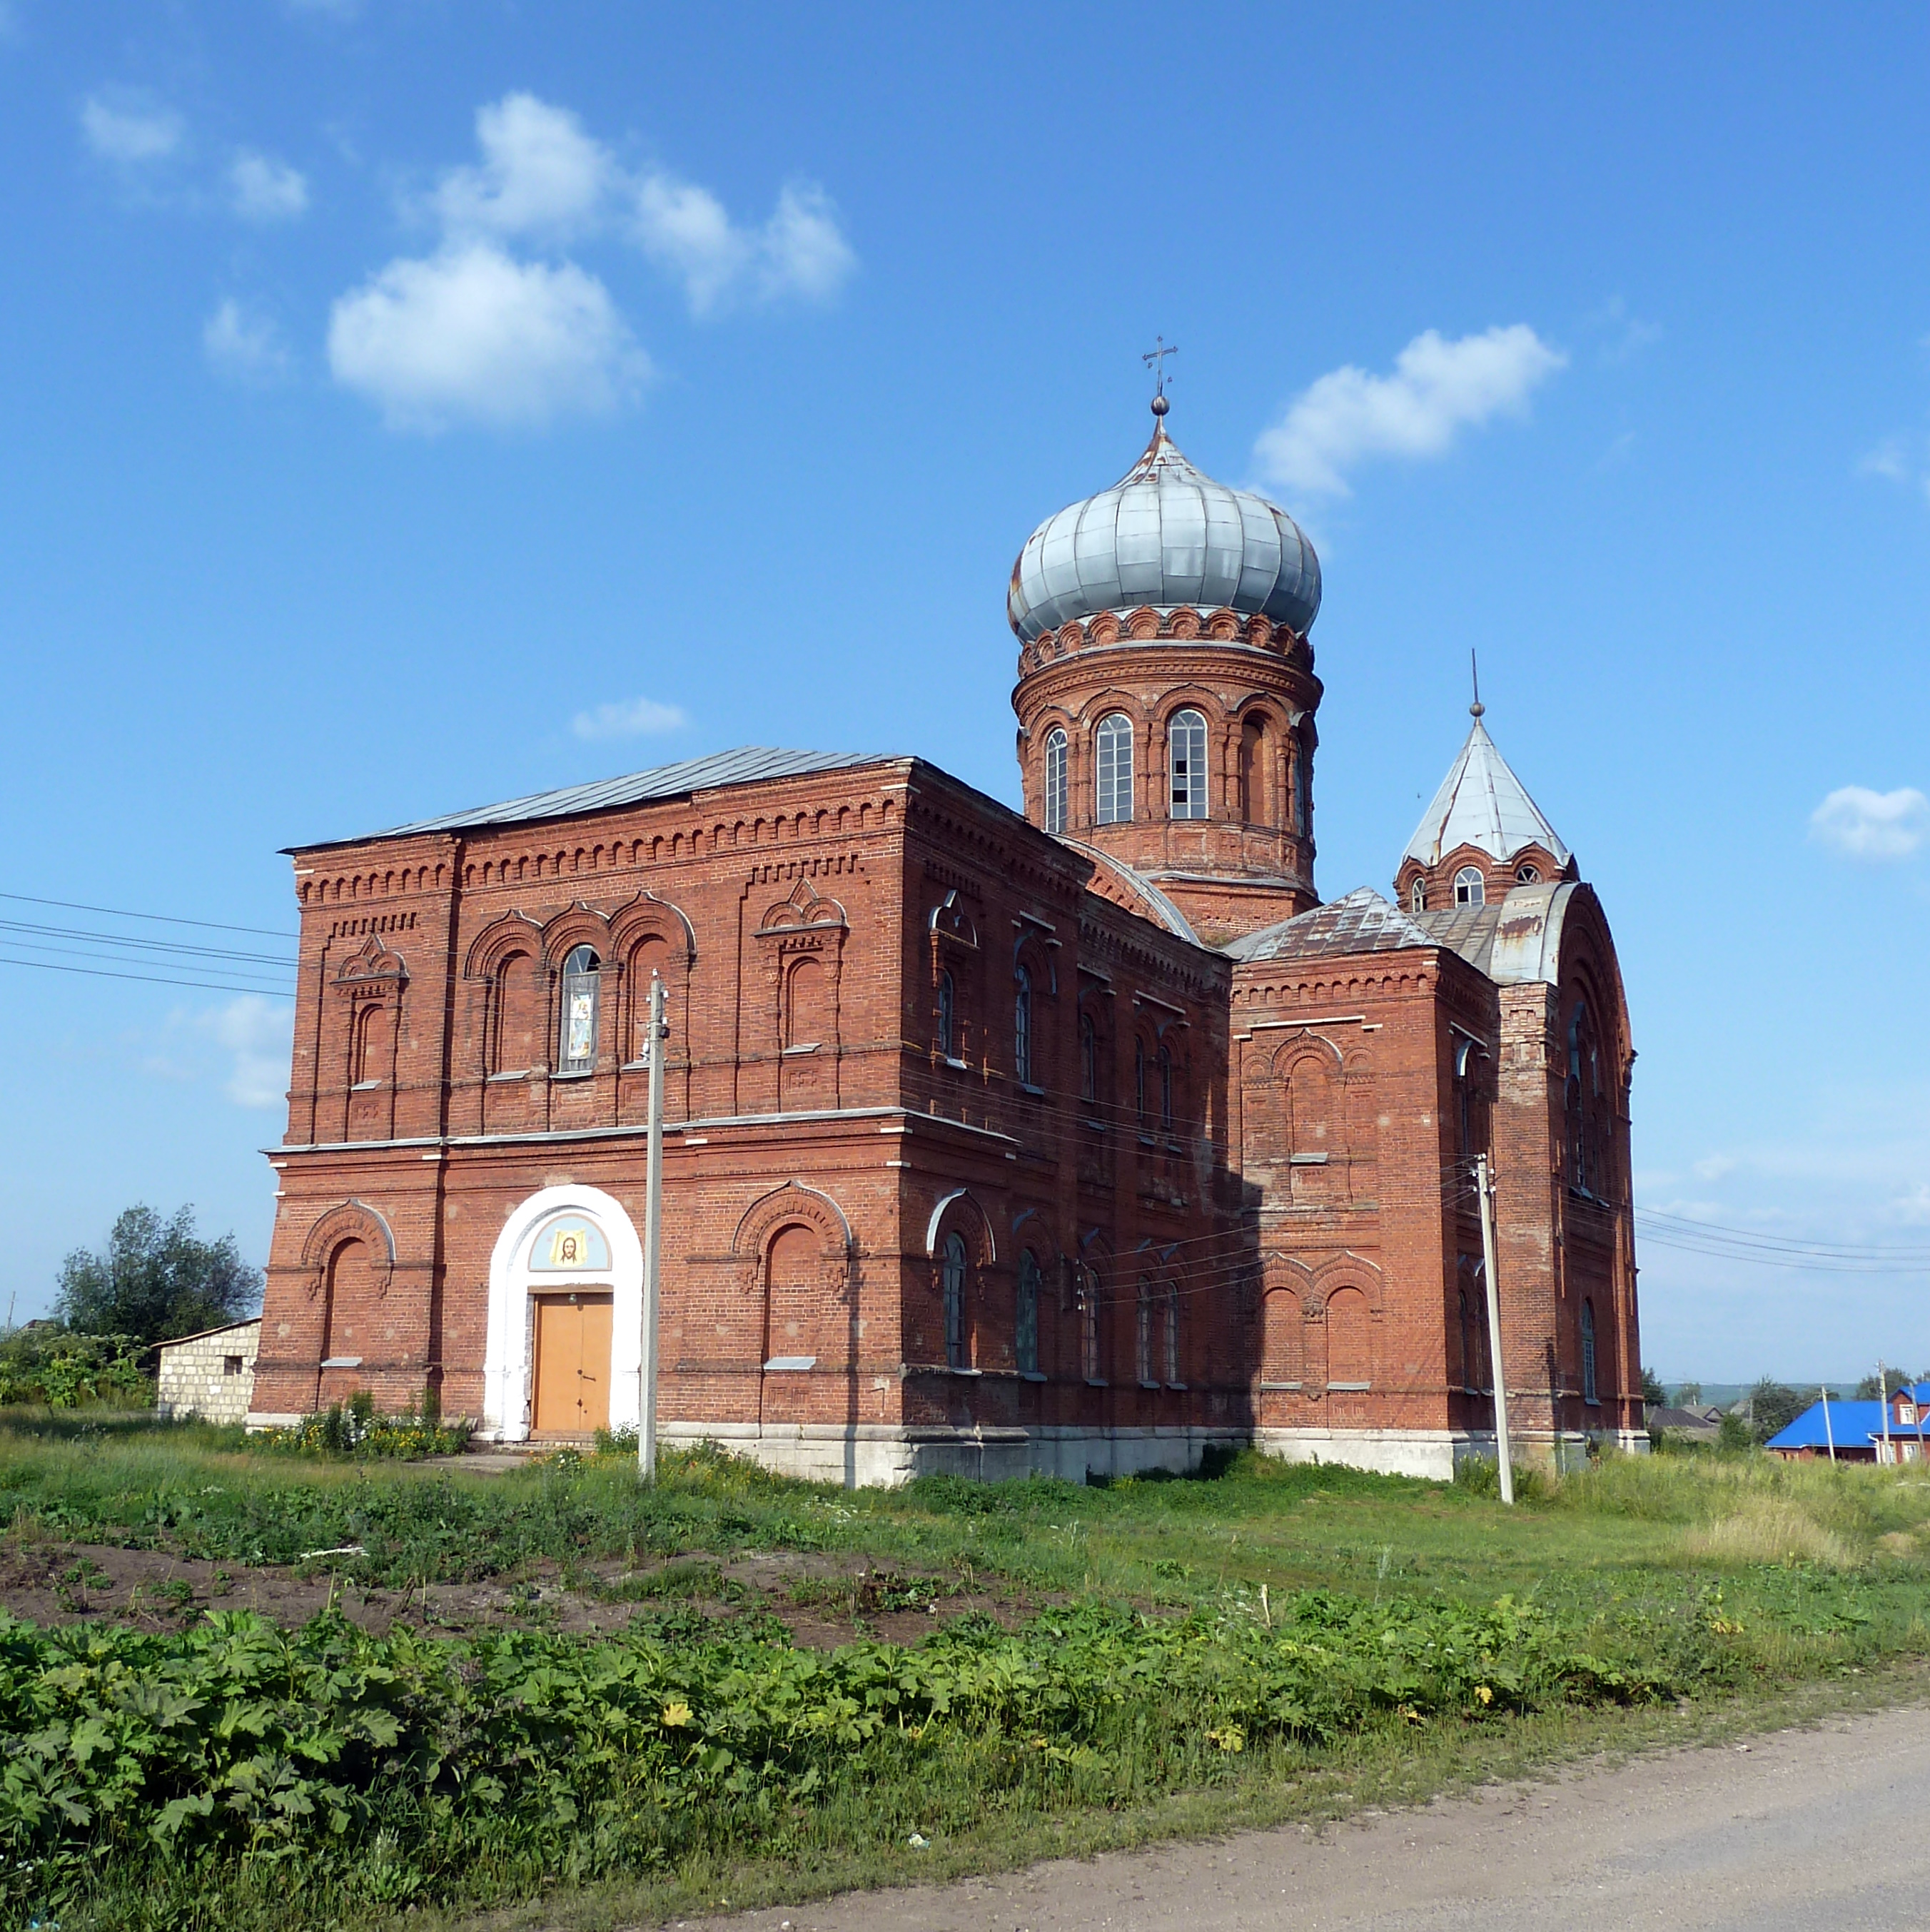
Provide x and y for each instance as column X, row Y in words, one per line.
column 63, row 1369
column 354, row 1428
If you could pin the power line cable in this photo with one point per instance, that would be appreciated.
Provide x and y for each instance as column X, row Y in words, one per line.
column 160, row 918
column 148, row 978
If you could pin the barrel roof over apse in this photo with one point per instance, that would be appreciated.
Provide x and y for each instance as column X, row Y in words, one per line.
column 1482, row 804
column 1165, row 534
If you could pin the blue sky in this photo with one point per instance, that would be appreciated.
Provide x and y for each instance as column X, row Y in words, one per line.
column 410, row 404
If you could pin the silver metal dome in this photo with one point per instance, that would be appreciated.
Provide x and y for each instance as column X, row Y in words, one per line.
column 1164, row 535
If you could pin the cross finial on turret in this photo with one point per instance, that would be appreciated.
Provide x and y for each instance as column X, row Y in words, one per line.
column 1475, row 710
column 1155, row 359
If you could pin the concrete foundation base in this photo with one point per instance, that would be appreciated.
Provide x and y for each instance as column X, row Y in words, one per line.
column 1437, row 1453
column 871, row 1455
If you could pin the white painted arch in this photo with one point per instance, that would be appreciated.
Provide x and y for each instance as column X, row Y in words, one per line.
column 507, row 1354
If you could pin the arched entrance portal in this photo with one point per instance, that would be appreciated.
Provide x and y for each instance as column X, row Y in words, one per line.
column 565, row 1309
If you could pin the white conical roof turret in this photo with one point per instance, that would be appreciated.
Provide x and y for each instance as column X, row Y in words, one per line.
column 1482, row 804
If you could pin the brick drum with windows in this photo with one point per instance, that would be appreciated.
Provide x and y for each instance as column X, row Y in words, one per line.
column 1075, row 1141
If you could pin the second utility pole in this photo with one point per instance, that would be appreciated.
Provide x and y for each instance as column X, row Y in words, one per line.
column 1484, row 1184
column 646, row 1366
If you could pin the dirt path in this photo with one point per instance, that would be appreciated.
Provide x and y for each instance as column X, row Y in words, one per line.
column 1798, row 1831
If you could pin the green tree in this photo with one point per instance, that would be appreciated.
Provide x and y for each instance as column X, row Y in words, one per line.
column 1894, row 1379
column 1689, row 1395
column 157, row 1279
column 1653, row 1393
column 1773, row 1406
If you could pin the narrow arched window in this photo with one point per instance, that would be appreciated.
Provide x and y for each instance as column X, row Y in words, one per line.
column 1145, row 1335
column 1088, row 1057
column 1025, row 1315
column 1172, row 1337
column 1417, row 896
column 1253, row 772
column 1467, row 1342
column 1588, row 1389
column 1113, row 743
column 576, row 1052
column 1186, row 759
column 952, row 1279
column 1469, row 887
column 1055, row 781
column 1165, row 1088
column 364, row 1050
column 1140, row 1080
column 947, row 1017
column 1528, row 875
column 1022, row 1027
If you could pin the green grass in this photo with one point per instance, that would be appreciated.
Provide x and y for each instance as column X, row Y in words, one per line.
column 1641, row 1589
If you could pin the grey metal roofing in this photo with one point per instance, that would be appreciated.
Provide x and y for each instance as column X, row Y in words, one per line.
column 1482, row 804
column 1174, row 920
column 1514, row 940
column 1165, row 534
column 747, row 762
column 1362, row 922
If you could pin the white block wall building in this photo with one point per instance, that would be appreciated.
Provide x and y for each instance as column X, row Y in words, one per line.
column 210, row 1376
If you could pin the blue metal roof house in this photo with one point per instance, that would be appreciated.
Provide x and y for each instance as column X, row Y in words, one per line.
column 1853, row 1432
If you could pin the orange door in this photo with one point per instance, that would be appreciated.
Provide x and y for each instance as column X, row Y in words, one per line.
column 572, row 1369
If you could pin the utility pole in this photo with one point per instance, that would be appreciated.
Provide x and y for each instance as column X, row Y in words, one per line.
column 647, row 1405
column 1829, row 1434
column 1483, row 1182
column 1882, row 1391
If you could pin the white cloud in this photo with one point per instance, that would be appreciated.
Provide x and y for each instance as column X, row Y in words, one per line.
column 255, row 1032
column 243, row 344
column 262, row 189
column 1627, row 335
column 129, row 132
column 1874, row 825
column 632, row 719
column 1890, row 458
column 803, row 250
column 471, row 335
column 541, row 173
column 1437, row 387
column 685, row 228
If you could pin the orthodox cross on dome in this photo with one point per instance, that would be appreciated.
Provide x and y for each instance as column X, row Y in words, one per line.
column 1155, row 359
column 1477, row 708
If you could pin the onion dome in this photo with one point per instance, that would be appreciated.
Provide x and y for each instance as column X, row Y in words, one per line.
column 1165, row 535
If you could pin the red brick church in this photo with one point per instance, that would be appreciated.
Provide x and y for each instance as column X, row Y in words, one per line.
column 1071, row 1141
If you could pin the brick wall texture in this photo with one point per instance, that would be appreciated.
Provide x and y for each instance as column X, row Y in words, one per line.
column 975, row 1158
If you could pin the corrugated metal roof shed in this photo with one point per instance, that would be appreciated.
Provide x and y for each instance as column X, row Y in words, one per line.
column 741, row 767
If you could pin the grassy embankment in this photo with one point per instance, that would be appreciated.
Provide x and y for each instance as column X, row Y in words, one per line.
column 1272, row 1642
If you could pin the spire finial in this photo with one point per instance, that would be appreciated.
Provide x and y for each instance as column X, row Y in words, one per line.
column 1477, row 708
column 1155, row 359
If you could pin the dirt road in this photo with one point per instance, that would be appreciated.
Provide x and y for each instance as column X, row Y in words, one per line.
column 1798, row 1831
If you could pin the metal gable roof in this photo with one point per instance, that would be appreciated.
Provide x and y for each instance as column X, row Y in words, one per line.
column 745, row 764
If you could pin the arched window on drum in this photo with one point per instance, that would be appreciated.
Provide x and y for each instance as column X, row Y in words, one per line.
column 1055, row 798
column 1113, row 746
column 1186, row 760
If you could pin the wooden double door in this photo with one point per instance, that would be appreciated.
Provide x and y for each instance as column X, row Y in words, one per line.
column 571, row 1371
